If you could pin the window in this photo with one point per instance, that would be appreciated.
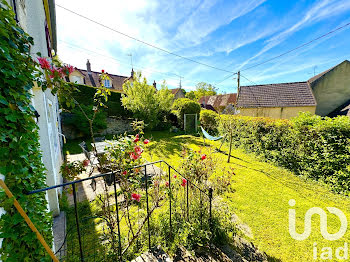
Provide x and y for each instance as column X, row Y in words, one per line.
column 107, row 83
column 76, row 79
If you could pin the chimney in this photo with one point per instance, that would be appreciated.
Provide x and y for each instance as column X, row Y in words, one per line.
column 88, row 66
column 155, row 84
column 132, row 73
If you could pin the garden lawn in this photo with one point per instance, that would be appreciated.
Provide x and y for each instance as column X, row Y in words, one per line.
column 261, row 196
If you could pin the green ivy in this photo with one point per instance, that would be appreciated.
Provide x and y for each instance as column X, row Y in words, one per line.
column 20, row 157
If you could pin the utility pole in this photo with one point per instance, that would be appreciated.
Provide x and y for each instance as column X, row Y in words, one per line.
column 238, row 87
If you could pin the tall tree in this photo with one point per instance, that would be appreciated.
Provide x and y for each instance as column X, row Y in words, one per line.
column 145, row 101
column 202, row 89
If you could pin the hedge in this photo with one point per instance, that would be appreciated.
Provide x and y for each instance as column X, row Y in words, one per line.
column 308, row 145
column 85, row 96
column 209, row 120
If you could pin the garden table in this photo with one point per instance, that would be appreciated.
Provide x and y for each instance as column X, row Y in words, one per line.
column 101, row 146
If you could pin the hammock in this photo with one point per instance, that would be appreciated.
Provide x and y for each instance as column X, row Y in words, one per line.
column 209, row 137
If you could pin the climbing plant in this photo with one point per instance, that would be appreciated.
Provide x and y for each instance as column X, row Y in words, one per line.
column 20, row 157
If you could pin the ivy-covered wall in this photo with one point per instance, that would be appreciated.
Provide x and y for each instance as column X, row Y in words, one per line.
column 20, row 157
column 85, row 96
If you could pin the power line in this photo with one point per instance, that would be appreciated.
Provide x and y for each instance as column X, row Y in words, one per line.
column 298, row 47
column 141, row 41
column 137, row 67
column 89, row 51
column 225, row 78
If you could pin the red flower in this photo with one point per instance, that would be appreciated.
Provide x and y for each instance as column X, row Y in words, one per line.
column 136, row 197
column 70, row 69
column 167, row 183
column 204, row 156
column 44, row 64
column 125, row 172
column 184, row 182
column 175, row 176
column 53, row 72
column 146, row 141
column 136, row 138
column 86, row 162
column 103, row 71
column 138, row 150
column 133, row 156
column 61, row 72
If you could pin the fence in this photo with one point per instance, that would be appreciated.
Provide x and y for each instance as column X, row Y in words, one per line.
column 118, row 227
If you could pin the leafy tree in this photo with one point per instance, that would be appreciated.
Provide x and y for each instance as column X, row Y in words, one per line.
column 146, row 102
column 202, row 89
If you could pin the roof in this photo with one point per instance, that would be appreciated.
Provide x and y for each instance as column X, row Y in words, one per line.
column 218, row 100
column 320, row 75
column 343, row 110
column 174, row 91
column 276, row 95
column 93, row 79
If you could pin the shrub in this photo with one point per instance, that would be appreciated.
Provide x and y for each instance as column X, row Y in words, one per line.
column 308, row 145
column 209, row 120
column 185, row 106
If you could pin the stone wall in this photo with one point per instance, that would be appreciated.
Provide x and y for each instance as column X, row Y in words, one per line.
column 115, row 126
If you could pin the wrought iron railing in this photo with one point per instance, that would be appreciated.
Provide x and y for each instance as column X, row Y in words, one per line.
column 80, row 230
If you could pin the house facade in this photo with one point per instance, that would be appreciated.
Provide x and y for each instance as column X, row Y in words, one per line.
column 284, row 100
column 37, row 18
column 92, row 78
column 331, row 89
column 219, row 103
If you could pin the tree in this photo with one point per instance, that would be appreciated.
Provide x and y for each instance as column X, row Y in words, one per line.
column 146, row 102
column 202, row 89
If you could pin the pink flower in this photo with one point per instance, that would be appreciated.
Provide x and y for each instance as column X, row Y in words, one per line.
column 146, row 141
column 136, row 138
column 136, row 197
column 184, row 182
column 167, row 183
column 138, row 150
column 204, row 156
column 133, row 156
column 86, row 162
column 44, row 64
column 125, row 172
column 61, row 72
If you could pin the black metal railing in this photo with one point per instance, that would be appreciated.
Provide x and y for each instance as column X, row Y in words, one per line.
column 179, row 208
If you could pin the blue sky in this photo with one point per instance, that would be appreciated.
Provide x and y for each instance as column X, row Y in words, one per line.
column 232, row 35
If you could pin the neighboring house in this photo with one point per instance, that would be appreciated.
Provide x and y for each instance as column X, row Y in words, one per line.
column 37, row 18
column 177, row 92
column 92, row 78
column 331, row 89
column 284, row 100
column 219, row 103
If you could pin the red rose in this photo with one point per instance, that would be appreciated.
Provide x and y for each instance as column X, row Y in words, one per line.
column 204, row 156
column 146, row 141
column 167, row 183
column 125, row 172
column 184, row 182
column 136, row 197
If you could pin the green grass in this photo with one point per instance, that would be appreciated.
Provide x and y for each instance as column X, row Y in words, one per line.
column 261, row 196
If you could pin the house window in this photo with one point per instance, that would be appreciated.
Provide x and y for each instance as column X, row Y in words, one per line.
column 107, row 83
column 76, row 79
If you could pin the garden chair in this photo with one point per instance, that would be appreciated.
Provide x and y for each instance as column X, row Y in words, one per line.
column 90, row 156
